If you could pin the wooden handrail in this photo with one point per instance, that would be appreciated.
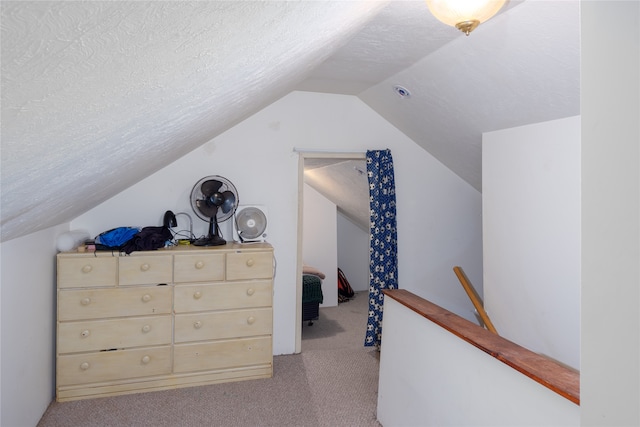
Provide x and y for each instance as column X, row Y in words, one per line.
column 475, row 299
column 555, row 376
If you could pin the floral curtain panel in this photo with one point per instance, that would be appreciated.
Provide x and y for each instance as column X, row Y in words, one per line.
column 383, row 252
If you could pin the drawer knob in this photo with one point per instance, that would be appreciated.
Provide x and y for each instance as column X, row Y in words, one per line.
column 197, row 295
column 199, row 265
column 146, row 328
column 84, row 366
column 146, row 298
column 145, row 359
column 85, row 301
column 85, row 333
column 250, row 262
column 145, row 267
column 87, row 269
column 251, row 320
column 250, row 291
column 197, row 324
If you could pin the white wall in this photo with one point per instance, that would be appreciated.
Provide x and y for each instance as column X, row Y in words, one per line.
column 610, row 279
column 610, row 107
column 319, row 241
column 531, row 229
column 439, row 215
column 28, row 289
column 353, row 252
column 431, row 377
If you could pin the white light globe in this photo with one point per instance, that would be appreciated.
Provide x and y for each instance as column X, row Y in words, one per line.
column 464, row 14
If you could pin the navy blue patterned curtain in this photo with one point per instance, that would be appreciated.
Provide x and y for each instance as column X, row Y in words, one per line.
column 383, row 252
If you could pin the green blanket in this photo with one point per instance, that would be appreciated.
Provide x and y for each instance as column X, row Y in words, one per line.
column 311, row 289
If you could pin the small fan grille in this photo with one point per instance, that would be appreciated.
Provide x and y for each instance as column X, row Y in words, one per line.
column 251, row 223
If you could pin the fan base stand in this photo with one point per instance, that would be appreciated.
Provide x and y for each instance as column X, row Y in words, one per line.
column 210, row 241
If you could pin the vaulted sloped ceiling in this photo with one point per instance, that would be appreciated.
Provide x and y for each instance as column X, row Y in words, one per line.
column 98, row 95
column 345, row 183
column 521, row 67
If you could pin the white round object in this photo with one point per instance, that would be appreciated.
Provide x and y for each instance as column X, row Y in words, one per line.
column 251, row 223
column 70, row 240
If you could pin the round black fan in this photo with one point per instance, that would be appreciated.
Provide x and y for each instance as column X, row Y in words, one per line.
column 214, row 199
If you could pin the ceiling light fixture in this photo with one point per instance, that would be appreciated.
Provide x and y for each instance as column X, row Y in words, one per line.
column 465, row 15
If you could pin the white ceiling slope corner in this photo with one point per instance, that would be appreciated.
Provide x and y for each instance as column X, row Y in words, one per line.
column 525, row 68
column 345, row 183
column 396, row 38
column 520, row 67
column 98, row 95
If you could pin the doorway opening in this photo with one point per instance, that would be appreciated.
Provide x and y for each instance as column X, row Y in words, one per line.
column 341, row 179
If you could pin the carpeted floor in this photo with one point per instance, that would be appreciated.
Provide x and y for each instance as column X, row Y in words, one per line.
column 332, row 383
column 342, row 373
column 339, row 327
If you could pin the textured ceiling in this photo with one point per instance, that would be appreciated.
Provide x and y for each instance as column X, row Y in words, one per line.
column 91, row 88
column 520, row 67
column 98, row 95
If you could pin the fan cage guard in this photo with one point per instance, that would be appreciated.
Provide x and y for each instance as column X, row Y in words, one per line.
column 251, row 223
column 213, row 238
column 196, row 194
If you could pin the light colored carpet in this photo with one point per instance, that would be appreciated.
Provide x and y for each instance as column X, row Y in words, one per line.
column 342, row 373
column 333, row 382
column 339, row 327
column 344, row 386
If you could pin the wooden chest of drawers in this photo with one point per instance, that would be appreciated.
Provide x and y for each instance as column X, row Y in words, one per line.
column 163, row 319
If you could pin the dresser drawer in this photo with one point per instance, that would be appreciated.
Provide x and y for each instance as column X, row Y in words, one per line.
column 113, row 365
column 198, row 268
column 118, row 302
column 220, row 296
column 222, row 354
column 249, row 265
column 87, row 271
column 145, row 270
column 75, row 337
column 223, row 324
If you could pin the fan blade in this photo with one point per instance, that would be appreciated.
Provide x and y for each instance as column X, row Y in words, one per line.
column 210, row 187
column 229, row 201
column 207, row 209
